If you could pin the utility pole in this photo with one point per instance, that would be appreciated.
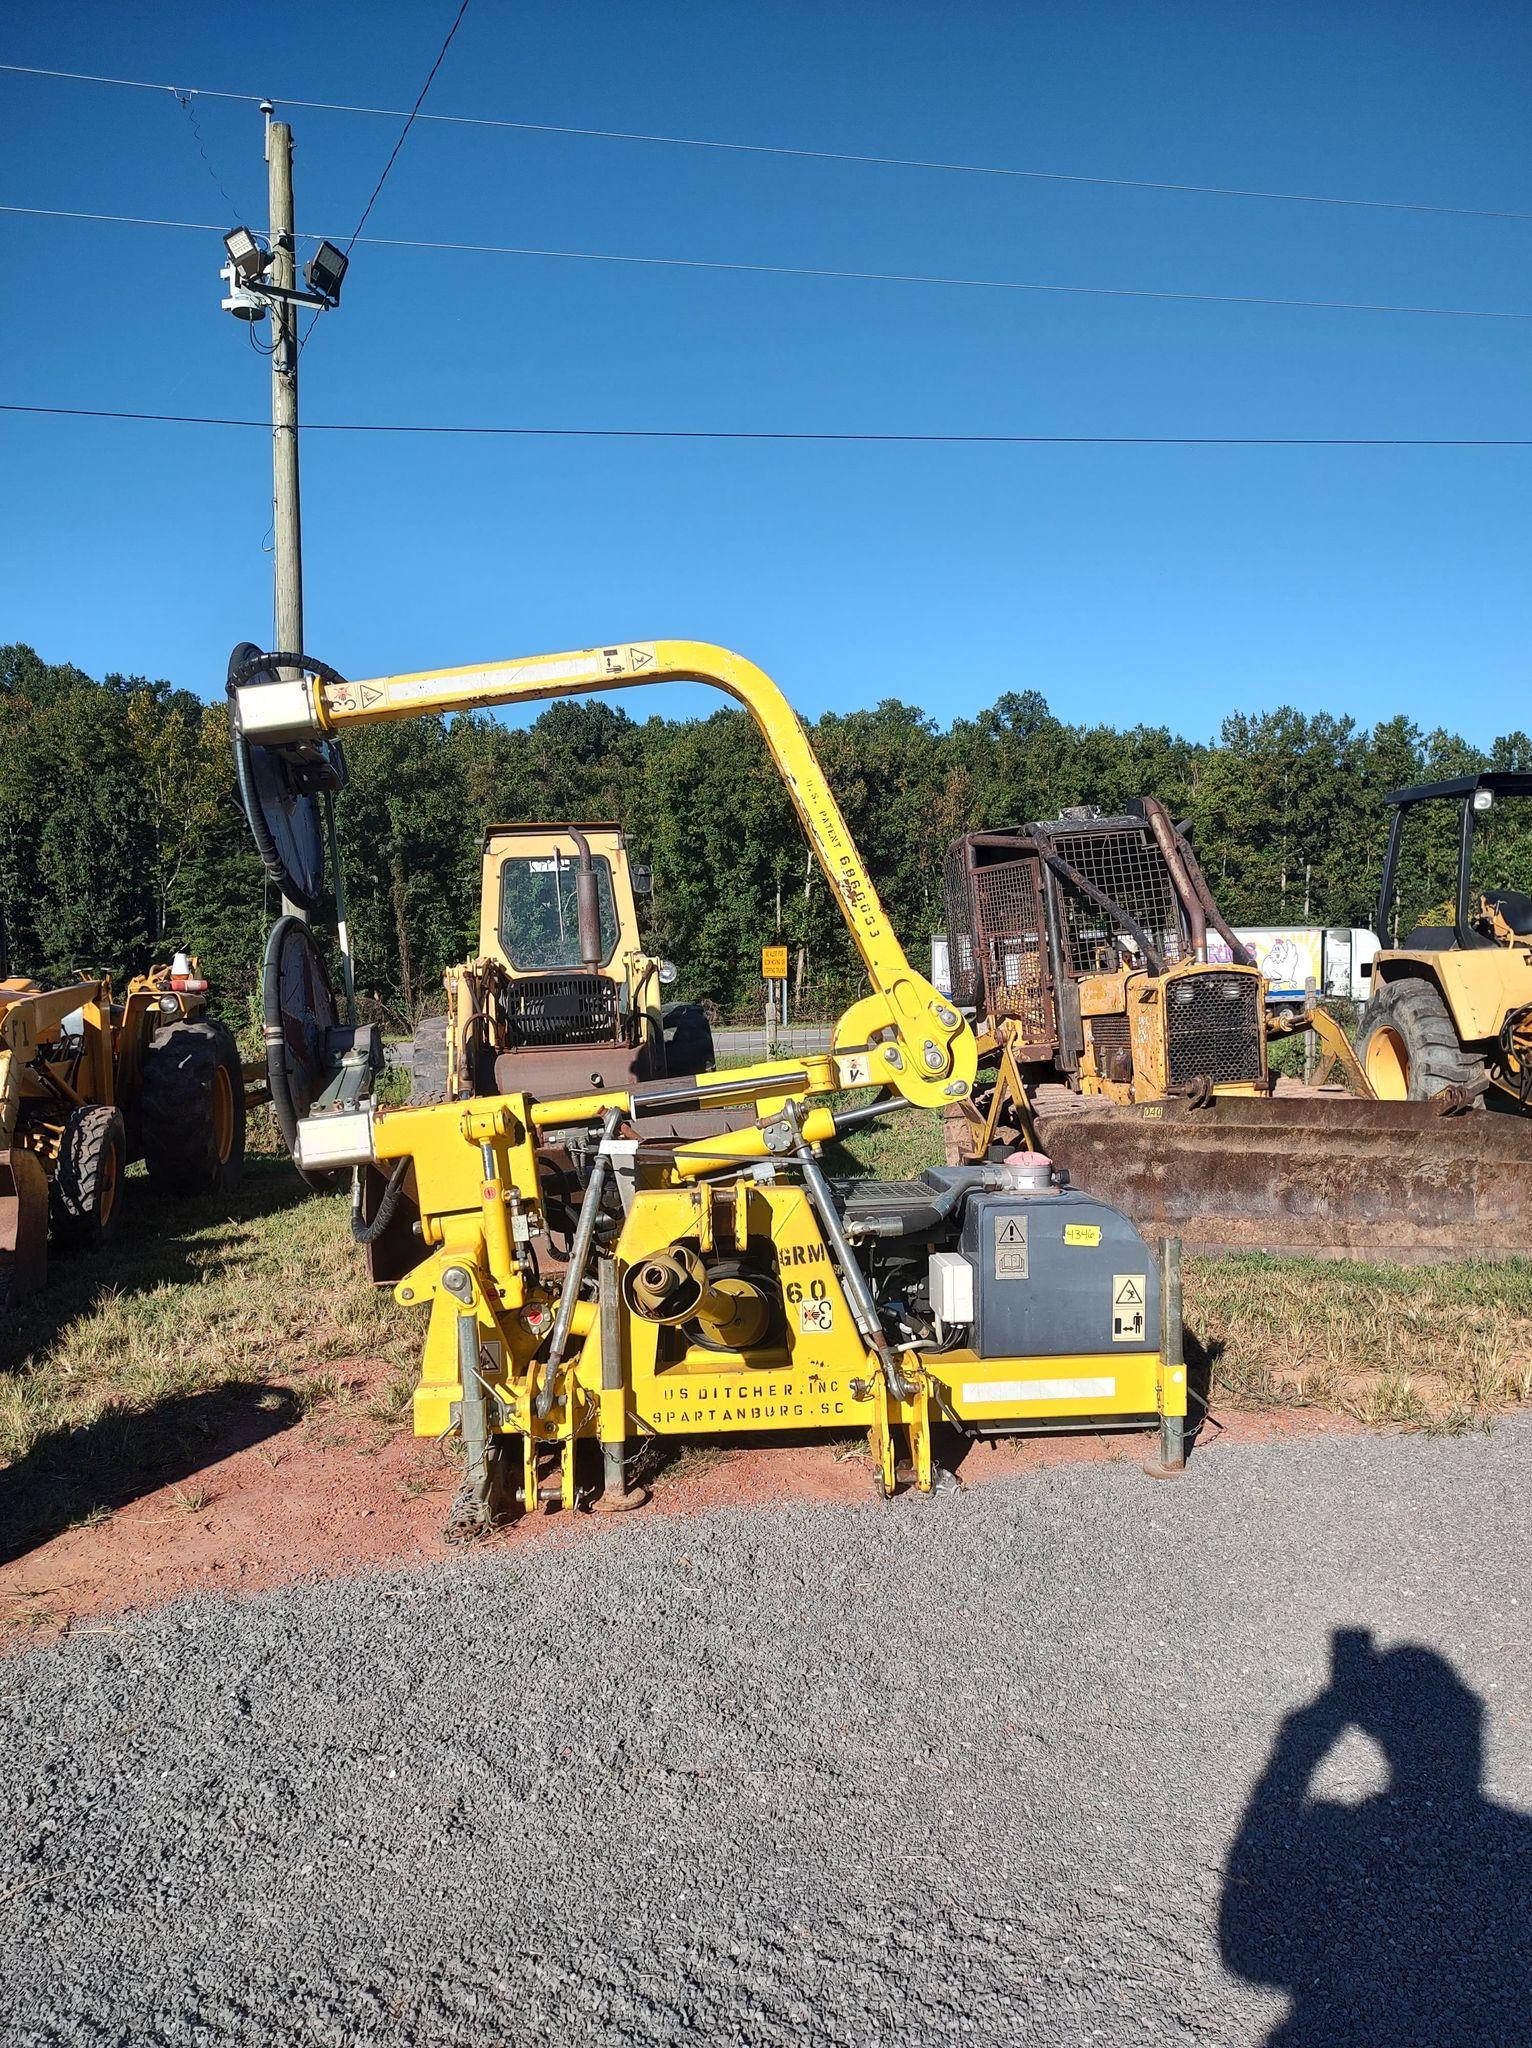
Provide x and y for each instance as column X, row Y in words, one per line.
column 287, row 523
column 261, row 282
column 286, row 516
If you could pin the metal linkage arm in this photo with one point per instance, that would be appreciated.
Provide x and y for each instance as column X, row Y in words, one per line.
column 936, row 1047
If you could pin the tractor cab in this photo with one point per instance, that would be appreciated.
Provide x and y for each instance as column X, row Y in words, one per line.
column 563, row 996
column 1450, row 1013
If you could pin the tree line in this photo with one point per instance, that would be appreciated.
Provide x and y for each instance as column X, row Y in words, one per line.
column 121, row 835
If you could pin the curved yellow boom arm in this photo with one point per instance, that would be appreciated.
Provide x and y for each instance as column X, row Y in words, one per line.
column 935, row 1045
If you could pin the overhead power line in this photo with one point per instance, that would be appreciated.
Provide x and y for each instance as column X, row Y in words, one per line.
column 414, row 115
column 837, row 156
column 394, row 152
column 185, row 419
column 184, row 101
column 991, row 284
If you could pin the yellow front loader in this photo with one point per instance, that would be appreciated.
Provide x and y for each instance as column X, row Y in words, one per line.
column 562, row 995
column 591, row 1284
column 1450, row 1014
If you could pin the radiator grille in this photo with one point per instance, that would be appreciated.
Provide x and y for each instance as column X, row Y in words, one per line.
column 1110, row 1041
column 1213, row 1028
column 561, row 1009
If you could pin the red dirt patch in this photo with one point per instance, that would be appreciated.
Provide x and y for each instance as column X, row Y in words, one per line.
column 341, row 1491
column 336, row 1491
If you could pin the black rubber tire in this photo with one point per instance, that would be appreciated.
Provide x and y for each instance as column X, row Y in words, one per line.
column 85, row 1200
column 688, row 1039
column 186, row 1064
column 294, row 973
column 1413, row 1015
column 427, row 1064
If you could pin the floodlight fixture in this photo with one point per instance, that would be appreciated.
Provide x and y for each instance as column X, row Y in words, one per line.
column 325, row 272
column 246, row 255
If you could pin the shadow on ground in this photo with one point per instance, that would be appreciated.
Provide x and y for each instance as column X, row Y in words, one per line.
column 1403, row 1917
column 161, row 1242
column 1202, row 1356
column 70, row 1475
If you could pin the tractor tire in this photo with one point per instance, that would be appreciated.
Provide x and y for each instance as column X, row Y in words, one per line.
column 688, row 1039
column 1408, row 1045
column 85, row 1201
column 191, row 1110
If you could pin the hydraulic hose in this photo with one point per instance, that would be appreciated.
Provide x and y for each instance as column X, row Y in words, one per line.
column 579, row 1259
column 369, row 1233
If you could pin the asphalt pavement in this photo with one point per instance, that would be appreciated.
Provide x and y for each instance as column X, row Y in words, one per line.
column 1074, row 1758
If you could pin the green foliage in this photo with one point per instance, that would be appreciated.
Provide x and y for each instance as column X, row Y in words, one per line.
column 121, row 836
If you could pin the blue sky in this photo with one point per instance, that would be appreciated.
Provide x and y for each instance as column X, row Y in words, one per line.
column 1167, row 585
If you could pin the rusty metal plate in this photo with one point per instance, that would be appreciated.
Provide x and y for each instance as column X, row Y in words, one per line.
column 1307, row 1175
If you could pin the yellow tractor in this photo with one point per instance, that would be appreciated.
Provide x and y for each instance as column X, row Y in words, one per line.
column 1450, row 1015
column 89, row 1083
column 645, row 1284
column 563, row 995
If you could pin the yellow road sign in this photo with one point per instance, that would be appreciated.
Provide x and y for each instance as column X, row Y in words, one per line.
column 774, row 963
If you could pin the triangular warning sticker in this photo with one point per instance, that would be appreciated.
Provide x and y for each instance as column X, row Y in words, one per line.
column 370, row 695
column 640, row 657
column 1128, row 1294
column 1012, row 1232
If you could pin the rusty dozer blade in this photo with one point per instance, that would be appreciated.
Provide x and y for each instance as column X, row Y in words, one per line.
column 1307, row 1175
column 23, row 1225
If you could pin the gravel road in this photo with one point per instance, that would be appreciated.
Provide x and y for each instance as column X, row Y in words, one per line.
column 1026, row 1764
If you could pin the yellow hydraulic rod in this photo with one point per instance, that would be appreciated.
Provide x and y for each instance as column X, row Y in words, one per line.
column 936, row 1057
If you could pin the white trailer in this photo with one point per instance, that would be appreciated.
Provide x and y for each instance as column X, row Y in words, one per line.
column 1329, row 959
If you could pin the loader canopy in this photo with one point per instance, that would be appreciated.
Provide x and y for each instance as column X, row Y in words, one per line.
column 1449, row 844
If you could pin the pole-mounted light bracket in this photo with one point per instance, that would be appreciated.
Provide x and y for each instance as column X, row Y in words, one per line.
column 251, row 291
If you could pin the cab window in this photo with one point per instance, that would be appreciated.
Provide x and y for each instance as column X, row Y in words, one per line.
column 539, row 911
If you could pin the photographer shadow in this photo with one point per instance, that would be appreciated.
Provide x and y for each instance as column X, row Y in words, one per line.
column 1402, row 1917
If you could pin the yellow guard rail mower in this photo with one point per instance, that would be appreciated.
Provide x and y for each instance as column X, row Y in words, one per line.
column 589, row 1284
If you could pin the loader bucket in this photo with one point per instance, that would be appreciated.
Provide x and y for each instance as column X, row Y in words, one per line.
column 23, row 1225
column 1316, row 1175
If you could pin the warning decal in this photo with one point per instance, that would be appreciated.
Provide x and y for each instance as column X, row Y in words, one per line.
column 1011, row 1248
column 617, row 662
column 1130, row 1297
column 371, row 695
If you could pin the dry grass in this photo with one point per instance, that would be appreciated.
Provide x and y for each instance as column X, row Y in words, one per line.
column 264, row 1286
column 1439, row 1347
column 268, row 1288
column 893, row 1147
